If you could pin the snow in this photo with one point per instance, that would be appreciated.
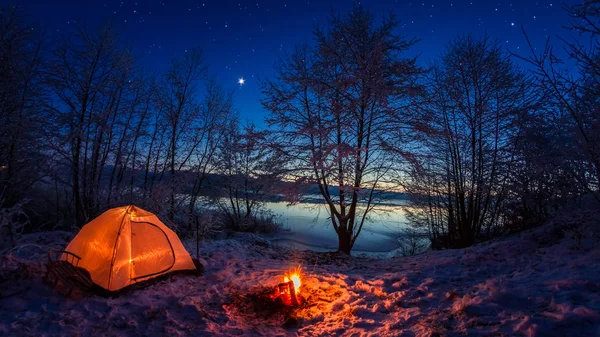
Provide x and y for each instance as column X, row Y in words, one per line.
column 544, row 282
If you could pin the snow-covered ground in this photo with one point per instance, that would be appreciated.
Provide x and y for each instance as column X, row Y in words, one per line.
column 544, row 282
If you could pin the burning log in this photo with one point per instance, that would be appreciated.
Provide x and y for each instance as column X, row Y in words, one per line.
column 288, row 291
column 293, row 293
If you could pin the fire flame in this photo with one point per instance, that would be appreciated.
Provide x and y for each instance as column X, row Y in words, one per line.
column 294, row 276
column 296, row 279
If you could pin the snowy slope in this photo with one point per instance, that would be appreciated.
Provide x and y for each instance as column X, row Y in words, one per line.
column 538, row 283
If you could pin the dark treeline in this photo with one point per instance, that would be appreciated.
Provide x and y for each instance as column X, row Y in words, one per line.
column 482, row 145
column 502, row 148
column 84, row 128
column 483, row 142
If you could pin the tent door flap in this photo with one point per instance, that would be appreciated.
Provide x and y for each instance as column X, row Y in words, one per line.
column 151, row 251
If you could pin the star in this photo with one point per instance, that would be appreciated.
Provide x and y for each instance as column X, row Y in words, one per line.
column 241, row 81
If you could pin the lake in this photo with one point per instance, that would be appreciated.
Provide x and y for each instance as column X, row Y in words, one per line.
column 307, row 226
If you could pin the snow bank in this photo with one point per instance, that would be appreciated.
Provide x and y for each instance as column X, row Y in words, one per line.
column 540, row 283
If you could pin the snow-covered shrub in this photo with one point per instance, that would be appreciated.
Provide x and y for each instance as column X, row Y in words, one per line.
column 577, row 222
column 412, row 241
column 12, row 223
column 262, row 222
column 207, row 224
column 581, row 227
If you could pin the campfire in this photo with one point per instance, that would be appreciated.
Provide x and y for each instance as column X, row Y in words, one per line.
column 281, row 299
column 285, row 298
column 288, row 292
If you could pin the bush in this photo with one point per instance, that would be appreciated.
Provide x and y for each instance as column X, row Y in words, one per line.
column 207, row 224
column 412, row 241
column 12, row 223
column 263, row 222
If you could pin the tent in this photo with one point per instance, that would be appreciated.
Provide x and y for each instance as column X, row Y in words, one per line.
column 127, row 245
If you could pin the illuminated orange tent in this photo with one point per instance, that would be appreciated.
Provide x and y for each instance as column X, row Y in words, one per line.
column 127, row 245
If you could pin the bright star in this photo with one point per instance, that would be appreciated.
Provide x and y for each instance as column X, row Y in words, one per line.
column 241, row 81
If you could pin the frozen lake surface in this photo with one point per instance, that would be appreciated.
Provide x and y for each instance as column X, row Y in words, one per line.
column 308, row 226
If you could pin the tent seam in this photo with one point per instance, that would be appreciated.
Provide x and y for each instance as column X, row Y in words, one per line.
column 112, row 260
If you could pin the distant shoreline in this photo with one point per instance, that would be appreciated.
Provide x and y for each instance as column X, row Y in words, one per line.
column 301, row 245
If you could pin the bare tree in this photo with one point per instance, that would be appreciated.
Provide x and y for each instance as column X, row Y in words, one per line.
column 457, row 179
column 576, row 92
column 216, row 112
column 87, row 76
column 124, row 145
column 155, row 143
column 100, row 131
column 329, row 104
column 542, row 176
column 176, row 101
column 249, row 170
column 22, row 97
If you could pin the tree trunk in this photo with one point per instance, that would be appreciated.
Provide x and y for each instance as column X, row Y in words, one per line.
column 77, row 199
column 344, row 241
column 172, row 198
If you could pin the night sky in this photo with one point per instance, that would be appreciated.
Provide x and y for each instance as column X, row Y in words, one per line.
column 243, row 39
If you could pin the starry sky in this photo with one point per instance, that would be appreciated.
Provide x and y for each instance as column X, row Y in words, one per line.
column 243, row 39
